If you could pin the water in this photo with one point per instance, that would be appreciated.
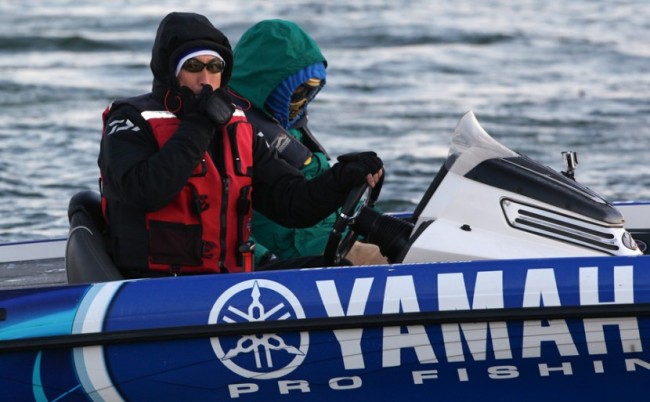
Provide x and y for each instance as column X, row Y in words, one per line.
column 543, row 76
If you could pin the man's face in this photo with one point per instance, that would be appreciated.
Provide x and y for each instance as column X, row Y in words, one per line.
column 303, row 95
column 200, row 71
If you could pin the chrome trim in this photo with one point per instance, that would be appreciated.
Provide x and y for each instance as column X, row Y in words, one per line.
column 560, row 227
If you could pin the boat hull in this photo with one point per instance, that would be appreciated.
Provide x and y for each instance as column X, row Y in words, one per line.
column 566, row 329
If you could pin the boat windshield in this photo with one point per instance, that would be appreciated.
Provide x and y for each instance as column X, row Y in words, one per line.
column 471, row 145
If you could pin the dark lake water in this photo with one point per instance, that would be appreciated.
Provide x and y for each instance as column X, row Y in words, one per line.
column 542, row 76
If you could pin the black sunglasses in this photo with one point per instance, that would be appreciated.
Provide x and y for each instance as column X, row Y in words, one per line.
column 194, row 66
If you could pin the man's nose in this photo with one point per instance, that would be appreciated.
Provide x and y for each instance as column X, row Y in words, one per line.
column 204, row 77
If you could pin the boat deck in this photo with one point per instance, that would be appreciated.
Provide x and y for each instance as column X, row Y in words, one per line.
column 34, row 273
column 32, row 264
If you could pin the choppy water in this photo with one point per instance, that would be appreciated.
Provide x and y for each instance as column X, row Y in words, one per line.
column 542, row 76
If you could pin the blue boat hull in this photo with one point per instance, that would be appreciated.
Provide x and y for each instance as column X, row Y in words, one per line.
column 553, row 329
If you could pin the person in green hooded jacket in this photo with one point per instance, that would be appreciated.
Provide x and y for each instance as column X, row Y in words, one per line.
column 278, row 70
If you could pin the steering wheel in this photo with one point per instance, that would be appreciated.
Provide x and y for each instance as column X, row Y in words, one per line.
column 338, row 245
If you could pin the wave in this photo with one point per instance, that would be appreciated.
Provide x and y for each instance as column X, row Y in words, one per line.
column 370, row 39
column 73, row 43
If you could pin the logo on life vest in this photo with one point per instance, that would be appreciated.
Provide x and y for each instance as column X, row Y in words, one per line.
column 260, row 356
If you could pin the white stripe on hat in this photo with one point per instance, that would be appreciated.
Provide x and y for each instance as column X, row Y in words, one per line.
column 202, row 52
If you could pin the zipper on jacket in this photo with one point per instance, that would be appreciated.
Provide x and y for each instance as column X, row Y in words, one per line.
column 245, row 249
column 224, row 226
column 219, row 162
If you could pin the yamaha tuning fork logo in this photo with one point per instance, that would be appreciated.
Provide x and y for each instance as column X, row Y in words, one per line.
column 263, row 356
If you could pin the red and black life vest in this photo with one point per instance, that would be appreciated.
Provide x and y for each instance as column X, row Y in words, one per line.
column 206, row 227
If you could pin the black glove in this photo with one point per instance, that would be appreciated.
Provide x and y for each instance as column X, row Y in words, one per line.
column 267, row 258
column 216, row 105
column 355, row 166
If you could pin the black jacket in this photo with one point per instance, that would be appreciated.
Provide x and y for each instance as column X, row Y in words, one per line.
column 139, row 176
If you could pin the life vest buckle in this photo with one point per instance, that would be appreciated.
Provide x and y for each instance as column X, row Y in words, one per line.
column 246, row 252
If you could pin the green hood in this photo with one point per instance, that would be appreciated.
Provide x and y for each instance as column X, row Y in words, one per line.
column 268, row 53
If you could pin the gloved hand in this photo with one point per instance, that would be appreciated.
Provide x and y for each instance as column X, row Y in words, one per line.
column 216, row 105
column 354, row 167
column 267, row 258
